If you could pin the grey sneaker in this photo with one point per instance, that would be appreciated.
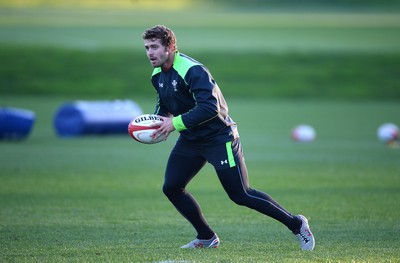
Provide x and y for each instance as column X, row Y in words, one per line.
column 306, row 238
column 201, row 243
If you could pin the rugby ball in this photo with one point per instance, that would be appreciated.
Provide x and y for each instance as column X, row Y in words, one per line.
column 303, row 133
column 388, row 132
column 142, row 127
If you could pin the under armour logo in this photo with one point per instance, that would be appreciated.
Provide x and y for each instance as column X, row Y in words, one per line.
column 224, row 161
column 161, row 85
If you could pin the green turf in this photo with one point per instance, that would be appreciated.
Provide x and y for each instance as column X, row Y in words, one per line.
column 120, row 73
column 288, row 54
column 238, row 31
column 99, row 199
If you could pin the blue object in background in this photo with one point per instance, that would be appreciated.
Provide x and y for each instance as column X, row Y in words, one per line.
column 95, row 117
column 15, row 123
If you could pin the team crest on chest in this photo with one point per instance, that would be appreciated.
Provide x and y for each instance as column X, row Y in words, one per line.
column 174, row 83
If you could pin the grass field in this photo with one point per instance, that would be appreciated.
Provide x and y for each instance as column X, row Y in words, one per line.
column 205, row 30
column 85, row 52
column 99, row 199
column 119, row 74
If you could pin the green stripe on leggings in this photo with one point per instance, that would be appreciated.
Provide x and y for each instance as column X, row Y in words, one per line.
column 231, row 159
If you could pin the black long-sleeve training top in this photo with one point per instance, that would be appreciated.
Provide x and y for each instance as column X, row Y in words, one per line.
column 188, row 92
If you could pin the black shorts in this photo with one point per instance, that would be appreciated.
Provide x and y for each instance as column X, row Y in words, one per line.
column 221, row 156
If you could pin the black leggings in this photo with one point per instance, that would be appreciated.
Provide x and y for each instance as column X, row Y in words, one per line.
column 181, row 169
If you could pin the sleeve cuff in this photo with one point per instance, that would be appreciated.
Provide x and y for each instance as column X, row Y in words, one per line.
column 178, row 123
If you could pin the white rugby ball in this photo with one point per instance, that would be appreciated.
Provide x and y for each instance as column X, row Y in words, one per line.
column 142, row 127
column 303, row 133
column 387, row 132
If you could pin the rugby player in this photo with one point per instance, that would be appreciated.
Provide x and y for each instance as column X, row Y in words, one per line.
column 190, row 102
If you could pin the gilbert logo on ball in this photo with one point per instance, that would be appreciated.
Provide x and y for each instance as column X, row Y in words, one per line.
column 142, row 127
column 388, row 132
column 303, row 133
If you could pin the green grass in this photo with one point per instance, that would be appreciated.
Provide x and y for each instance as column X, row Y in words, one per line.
column 209, row 30
column 119, row 73
column 290, row 54
column 99, row 199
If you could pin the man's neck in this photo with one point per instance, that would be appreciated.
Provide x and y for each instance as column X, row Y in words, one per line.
column 170, row 62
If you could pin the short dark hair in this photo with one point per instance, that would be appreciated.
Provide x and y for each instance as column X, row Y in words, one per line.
column 163, row 33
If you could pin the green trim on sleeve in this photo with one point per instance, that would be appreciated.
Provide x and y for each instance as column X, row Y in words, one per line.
column 231, row 158
column 178, row 123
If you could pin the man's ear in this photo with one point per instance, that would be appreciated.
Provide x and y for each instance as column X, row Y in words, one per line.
column 171, row 48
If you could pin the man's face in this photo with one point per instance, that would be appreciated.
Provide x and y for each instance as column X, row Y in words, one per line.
column 157, row 53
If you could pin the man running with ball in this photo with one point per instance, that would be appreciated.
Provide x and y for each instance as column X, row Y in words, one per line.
column 190, row 102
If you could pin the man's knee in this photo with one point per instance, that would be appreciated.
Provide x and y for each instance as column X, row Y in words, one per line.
column 238, row 198
column 171, row 190
column 167, row 190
